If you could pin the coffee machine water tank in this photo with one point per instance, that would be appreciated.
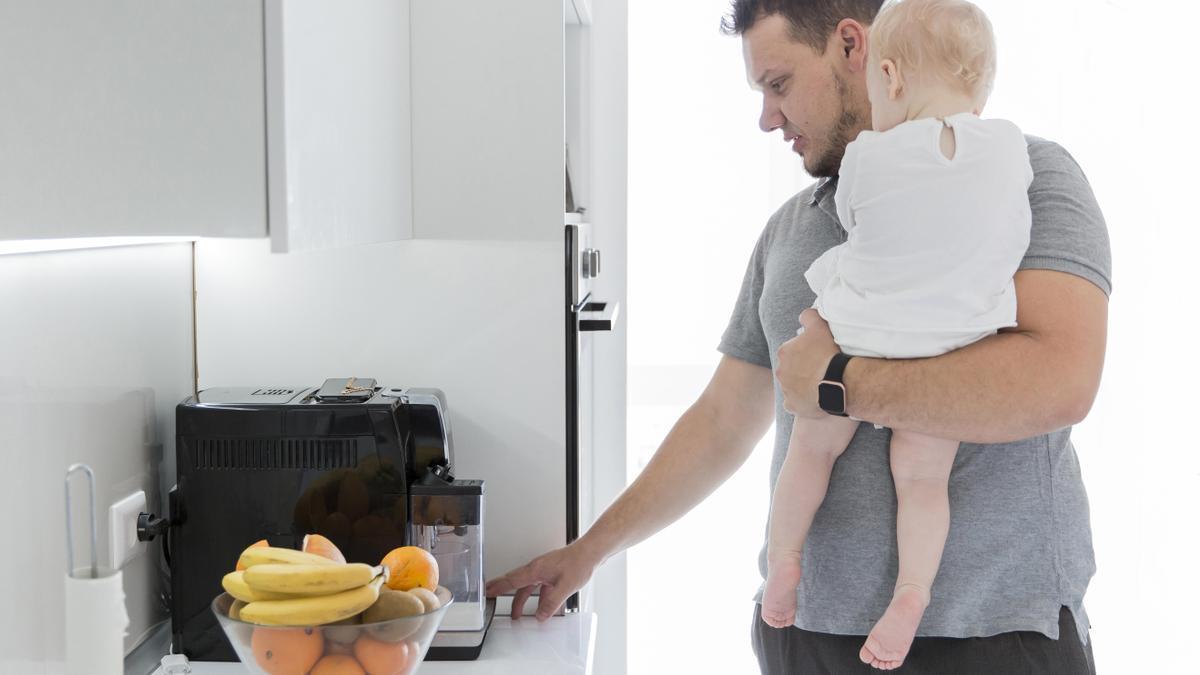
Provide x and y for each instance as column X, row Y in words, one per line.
column 447, row 521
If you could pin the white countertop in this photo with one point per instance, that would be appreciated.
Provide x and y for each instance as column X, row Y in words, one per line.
column 563, row 645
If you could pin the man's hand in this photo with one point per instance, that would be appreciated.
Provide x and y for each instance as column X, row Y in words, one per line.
column 558, row 574
column 802, row 364
column 705, row 447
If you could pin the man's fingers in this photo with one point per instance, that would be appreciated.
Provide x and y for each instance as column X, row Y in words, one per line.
column 551, row 599
column 808, row 318
column 501, row 585
column 523, row 580
column 512, row 580
column 518, row 603
column 497, row 586
column 527, row 579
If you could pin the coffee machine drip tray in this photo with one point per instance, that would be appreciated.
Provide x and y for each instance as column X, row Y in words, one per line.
column 462, row 645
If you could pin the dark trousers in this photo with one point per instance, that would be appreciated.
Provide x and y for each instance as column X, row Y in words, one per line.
column 792, row 651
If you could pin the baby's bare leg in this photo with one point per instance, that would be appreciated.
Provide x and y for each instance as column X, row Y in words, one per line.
column 799, row 491
column 921, row 470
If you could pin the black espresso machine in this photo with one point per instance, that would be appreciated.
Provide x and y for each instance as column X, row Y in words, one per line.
column 343, row 460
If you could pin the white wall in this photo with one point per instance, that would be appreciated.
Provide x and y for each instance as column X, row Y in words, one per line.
column 95, row 351
column 483, row 321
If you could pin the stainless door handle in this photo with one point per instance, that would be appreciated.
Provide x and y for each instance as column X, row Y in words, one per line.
column 598, row 316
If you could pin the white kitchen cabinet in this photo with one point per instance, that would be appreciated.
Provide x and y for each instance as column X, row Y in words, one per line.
column 489, row 119
column 226, row 118
column 577, row 11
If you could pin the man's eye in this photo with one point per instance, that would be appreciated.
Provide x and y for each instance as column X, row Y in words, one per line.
column 777, row 86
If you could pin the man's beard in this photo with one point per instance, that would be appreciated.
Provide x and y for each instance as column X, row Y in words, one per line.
column 848, row 124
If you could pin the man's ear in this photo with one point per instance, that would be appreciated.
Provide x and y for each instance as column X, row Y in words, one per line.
column 850, row 38
column 892, row 78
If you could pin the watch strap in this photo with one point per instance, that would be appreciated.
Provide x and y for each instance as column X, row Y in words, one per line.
column 837, row 368
column 831, row 391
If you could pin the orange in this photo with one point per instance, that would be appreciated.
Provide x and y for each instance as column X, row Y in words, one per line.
column 384, row 658
column 257, row 544
column 337, row 665
column 319, row 545
column 287, row 651
column 410, row 567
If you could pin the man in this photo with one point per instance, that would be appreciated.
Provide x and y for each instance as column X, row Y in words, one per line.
column 1008, row 597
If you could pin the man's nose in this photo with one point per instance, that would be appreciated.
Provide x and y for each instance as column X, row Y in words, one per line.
column 771, row 117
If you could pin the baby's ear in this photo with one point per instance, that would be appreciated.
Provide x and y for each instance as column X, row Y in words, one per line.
column 892, row 78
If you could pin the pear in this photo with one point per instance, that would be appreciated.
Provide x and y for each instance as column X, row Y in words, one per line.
column 390, row 606
column 427, row 598
column 343, row 632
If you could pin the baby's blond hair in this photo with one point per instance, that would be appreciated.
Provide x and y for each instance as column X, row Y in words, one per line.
column 950, row 40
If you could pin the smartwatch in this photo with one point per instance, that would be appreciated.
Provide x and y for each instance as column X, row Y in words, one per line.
column 831, row 390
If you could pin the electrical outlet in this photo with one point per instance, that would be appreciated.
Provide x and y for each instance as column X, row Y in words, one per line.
column 123, row 543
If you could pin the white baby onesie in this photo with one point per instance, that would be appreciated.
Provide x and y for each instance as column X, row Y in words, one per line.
column 933, row 243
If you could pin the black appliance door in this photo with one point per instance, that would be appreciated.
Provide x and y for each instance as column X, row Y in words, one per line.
column 585, row 317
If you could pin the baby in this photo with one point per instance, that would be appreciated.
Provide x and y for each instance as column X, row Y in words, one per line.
column 934, row 202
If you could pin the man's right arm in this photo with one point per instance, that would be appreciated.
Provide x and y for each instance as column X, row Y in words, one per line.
column 704, row 448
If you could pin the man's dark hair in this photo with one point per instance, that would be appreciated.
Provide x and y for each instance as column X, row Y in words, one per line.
column 811, row 21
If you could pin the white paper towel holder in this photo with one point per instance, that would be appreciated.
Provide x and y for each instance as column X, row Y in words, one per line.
column 91, row 477
column 95, row 604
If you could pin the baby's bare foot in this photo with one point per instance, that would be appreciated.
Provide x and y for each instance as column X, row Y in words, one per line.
column 779, row 596
column 888, row 643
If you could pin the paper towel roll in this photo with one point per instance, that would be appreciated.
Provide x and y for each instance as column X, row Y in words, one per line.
column 95, row 623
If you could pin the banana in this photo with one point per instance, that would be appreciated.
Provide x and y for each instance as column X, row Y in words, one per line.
column 310, row 579
column 235, row 584
column 270, row 555
column 313, row 611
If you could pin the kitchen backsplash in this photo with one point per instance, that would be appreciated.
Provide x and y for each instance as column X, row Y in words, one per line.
column 481, row 320
column 95, row 352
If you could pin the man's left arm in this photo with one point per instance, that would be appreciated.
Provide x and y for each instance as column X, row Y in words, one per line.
column 1022, row 382
column 1038, row 377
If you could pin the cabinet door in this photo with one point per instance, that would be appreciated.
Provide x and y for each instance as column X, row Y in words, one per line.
column 339, row 153
column 487, row 119
column 128, row 117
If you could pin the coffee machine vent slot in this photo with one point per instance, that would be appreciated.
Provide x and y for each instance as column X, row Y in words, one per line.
column 285, row 453
column 272, row 392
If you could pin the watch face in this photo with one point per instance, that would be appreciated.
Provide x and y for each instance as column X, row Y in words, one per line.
column 832, row 397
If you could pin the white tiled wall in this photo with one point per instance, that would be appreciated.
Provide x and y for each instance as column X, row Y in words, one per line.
column 95, row 351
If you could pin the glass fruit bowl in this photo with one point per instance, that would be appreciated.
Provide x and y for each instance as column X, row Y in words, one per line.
column 394, row 647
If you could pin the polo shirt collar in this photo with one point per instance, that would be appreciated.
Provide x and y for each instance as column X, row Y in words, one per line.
column 824, row 187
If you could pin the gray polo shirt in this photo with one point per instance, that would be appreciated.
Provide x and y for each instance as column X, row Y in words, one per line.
column 1020, row 542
